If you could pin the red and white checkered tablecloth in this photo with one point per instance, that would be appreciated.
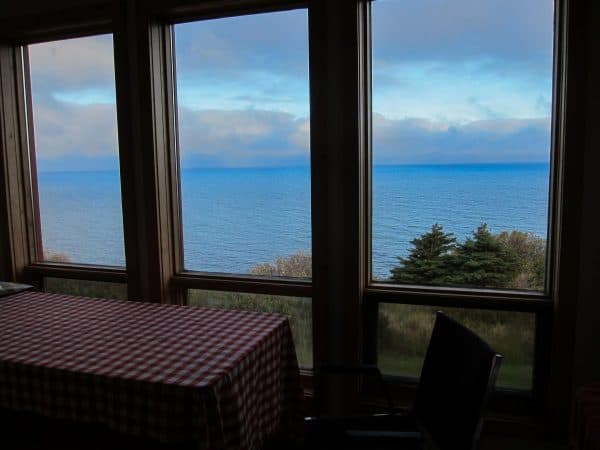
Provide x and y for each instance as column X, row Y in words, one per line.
column 228, row 379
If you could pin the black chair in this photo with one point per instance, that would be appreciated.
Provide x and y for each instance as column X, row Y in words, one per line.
column 458, row 375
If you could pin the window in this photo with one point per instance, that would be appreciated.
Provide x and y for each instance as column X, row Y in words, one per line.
column 461, row 151
column 243, row 111
column 244, row 158
column 76, row 151
column 235, row 186
column 462, row 103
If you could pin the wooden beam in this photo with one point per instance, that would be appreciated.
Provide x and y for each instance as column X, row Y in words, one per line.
column 70, row 22
column 78, row 272
column 250, row 284
column 466, row 298
column 189, row 10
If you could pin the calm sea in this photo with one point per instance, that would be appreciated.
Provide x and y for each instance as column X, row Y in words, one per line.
column 237, row 218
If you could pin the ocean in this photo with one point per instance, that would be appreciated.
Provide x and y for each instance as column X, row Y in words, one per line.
column 234, row 219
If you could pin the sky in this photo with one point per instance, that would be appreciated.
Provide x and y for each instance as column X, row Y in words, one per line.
column 454, row 82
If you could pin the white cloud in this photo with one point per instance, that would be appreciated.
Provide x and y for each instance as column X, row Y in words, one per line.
column 243, row 138
column 72, row 64
column 67, row 129
column 255, row 138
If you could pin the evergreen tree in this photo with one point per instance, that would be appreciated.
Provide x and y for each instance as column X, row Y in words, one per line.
column 429, row 259
column 484, row 261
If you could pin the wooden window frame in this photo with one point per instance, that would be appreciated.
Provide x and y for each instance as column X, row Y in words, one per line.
column 339, row 51
column 169, row 15
column 527, row 402
column 22, row 237
column 554, row 307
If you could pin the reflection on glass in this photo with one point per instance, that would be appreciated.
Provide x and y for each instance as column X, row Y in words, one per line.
column 86, row 288
column 243, row 109
column 404, row 332
column 297, row 309
column 76, row 151
column 462, row 95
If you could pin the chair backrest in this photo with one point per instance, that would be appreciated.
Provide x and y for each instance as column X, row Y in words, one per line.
column 459, row 373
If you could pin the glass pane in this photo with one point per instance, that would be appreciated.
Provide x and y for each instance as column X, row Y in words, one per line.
column 243, row 106
column 86, row 288
column 462, row 96
column 404, row 332
column 76, row 151
column 297, row 309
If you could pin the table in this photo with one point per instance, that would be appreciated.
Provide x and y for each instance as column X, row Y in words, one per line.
column 226, row 379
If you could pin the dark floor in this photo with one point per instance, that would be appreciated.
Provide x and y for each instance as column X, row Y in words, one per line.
column 27, row 431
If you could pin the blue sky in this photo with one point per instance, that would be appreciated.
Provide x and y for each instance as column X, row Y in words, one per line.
column 454, row 81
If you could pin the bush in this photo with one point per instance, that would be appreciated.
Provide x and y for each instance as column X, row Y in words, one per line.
column 298, row 265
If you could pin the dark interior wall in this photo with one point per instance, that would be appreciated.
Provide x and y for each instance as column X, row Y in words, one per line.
column 587, row 335
column 11, row 8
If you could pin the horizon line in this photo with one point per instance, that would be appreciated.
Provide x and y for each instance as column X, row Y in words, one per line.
column 307, row 166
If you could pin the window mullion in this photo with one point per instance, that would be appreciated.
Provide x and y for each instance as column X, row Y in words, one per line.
column 337, row 158
column 144, row 137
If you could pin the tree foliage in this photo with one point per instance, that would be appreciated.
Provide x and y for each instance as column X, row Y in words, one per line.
column 297, row 265
column 428, row 261
column 484, row 261
column 531, row 253
column 513, row 259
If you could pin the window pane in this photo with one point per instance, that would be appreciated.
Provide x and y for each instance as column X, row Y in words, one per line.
column 462, row 95
column 86, row 288
column 297, row 309
column 76, row 151
column 243, row 110
column 404, row 332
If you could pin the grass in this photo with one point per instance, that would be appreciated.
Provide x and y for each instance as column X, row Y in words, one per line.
column 516, row 376
column 404, row 332
column 86, row 288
